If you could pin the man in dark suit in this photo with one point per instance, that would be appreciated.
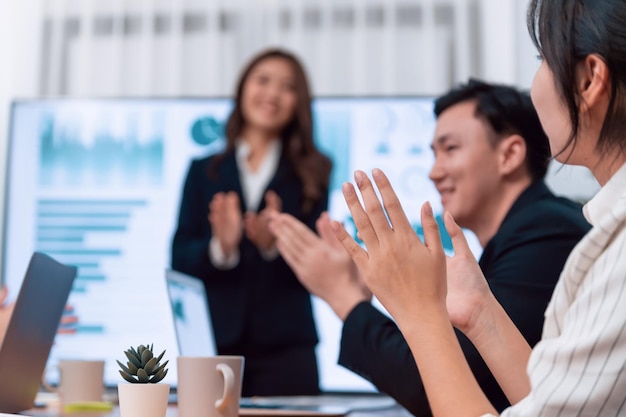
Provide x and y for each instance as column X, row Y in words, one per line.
column 491, row 156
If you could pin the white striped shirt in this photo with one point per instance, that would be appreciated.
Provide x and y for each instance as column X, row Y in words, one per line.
column 578, row 367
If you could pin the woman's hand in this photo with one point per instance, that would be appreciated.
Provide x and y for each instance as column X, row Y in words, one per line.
column 256, row 225
column 226, row 221
column 468, row 291
column 406, row 275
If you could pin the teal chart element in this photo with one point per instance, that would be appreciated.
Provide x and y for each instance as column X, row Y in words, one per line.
column 207, row 130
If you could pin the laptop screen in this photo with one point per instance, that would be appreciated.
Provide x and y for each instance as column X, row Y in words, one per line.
column 190, row 310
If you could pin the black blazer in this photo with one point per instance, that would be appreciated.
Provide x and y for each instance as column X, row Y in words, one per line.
column 259, row 305
column 521, row 263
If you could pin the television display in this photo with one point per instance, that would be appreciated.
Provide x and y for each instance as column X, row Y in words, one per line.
column 96, row 183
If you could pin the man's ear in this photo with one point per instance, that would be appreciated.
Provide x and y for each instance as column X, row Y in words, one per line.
column 512, row 154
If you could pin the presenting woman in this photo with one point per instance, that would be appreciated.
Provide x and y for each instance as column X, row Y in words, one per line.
column 258, row 307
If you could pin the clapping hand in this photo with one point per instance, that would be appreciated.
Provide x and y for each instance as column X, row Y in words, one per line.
column 406, row 275
column 226, row 221
column 320, row 262
column 256, row 225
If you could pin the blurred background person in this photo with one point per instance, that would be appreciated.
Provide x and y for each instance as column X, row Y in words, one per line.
column 258, row 307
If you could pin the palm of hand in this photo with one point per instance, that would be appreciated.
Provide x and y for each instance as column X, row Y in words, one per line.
column 226, row 219
column 466, row 288
column 394, row 275
column 257, row 225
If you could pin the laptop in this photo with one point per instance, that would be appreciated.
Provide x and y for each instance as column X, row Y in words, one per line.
column 194, row 333
column 191, row 314
column 31, row 330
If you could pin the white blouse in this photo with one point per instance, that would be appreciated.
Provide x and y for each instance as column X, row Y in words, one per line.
column 253, row 185
column 577, row 369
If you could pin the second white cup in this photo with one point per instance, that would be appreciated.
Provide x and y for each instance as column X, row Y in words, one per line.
column 80, row 380
column 209, row 386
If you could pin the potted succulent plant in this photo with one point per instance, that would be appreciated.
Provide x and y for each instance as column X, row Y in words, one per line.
column 142, row 395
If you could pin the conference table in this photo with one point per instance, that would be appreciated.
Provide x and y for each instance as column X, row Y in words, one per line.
column 394, row 410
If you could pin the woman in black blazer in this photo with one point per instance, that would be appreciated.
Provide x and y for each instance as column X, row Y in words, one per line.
column 258, row 307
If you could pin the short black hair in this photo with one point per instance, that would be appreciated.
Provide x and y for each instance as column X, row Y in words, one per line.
column 566, row 32
column 508, row 111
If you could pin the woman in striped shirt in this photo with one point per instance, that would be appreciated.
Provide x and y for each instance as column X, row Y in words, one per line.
column 578, row 368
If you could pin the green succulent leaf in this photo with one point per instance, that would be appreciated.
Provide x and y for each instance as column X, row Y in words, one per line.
column 142, row 376
column 146, row 355
column 134, row 352
column 160, row 357
column 128, row 377
column 158, row 376
column 150, row 366
column 133, row 359
column 133, row 368
column 142, row 365
column 160, row 368
column 124, row 368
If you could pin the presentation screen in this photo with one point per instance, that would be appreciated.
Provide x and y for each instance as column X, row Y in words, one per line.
column 97, row 183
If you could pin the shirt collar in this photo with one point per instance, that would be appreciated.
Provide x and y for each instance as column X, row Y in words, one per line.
column 605, row 199
column 243, row 151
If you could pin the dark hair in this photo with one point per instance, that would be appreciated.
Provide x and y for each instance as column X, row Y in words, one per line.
column 565, row 33
column 310, row 165
column 508, row 111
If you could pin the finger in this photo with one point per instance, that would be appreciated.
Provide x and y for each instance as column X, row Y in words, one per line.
column 217, row 203
column 291, row 255
column 373, row 207
column 232, row 200
column 432, row 236
column 357, row 253
column 326, row 233
column 250, row 225
column 295, row 234
column 394, row 210
column 361, row 220
column 273, row 201
column 459, row 243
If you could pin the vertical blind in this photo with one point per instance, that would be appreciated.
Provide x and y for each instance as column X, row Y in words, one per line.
column 197, row 47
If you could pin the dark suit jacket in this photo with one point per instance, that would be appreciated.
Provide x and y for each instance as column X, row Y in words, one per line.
column 521, row 263
column 259, row 307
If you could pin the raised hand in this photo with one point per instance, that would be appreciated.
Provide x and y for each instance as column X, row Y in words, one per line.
column 321, row 263
column 468, row 291
column 406, row 275
column 226, row 221
column 256, row 224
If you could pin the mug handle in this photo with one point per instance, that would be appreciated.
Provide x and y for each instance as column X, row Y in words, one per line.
column 47, row 386
column 229, row 386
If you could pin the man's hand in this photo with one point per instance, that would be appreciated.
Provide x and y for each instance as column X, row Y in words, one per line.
column 321, row 263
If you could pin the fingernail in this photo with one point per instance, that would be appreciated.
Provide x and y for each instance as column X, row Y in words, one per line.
column 376, row 173
column 428, row 208
column 346, row 188
column 358, row 177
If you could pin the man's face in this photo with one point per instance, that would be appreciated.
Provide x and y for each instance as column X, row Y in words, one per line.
column 466, row 163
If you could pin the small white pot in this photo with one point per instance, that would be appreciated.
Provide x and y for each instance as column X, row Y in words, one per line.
column 143, row 400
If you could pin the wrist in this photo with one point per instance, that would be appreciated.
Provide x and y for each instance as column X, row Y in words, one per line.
column 482, row 325
column 343, row 303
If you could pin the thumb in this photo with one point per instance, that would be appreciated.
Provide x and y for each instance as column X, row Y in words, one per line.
column 273, row 201
column 459, row 243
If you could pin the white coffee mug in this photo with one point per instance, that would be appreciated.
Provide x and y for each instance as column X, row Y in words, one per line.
column 80, row 381
column 209, row 386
